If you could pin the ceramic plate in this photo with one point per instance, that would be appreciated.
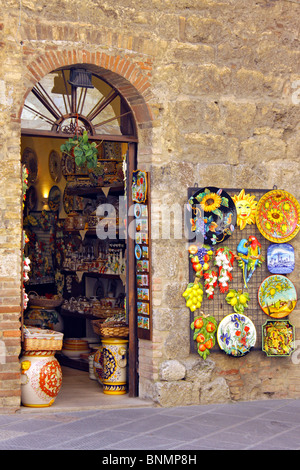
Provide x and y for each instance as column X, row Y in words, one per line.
column 31, row 198
column 55, row 166
column 212, row 215
column 54, row 198
column 236, row 334
column 280, row 258
column 29, row 159
column 278, row 216
column 278, row 338
column 277, row 296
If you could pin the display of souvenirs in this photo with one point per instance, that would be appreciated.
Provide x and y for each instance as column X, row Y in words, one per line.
column 278, row 338
column 249, row 257
column 212, row 215
column 246, row 209
column 211, row 221
column 280, row 258
column 236, row 334
column 278, row 216
column 277, row 296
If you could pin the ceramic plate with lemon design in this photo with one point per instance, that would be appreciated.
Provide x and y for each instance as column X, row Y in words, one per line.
column 277, row 296
column 278, row 216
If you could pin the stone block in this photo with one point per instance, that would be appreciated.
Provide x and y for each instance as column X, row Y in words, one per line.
column 172, row 370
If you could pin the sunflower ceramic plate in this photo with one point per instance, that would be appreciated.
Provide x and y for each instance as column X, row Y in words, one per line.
column 278, row 338
column 212, row 215
column 278, row 216
column 277, row 296
column 236, row 334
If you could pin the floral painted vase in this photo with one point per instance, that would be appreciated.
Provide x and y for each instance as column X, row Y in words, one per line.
column 41, row 378
column 98, row 364
column 114, row 363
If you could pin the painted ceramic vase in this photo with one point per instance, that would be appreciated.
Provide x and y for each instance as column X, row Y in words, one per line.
column 114, row 362
column 41, row 317
column 41, row 378
column 98, row 364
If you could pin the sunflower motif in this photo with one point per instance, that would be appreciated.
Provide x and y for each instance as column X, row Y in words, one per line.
column 275, row 216
column 211, row 202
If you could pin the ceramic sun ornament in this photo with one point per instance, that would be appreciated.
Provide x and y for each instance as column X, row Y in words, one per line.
column 246, row 209
column 249, row 257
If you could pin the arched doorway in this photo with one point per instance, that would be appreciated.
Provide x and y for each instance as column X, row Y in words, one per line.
column 72, row 100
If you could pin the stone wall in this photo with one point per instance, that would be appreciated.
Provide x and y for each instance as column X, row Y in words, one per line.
column 216, row 96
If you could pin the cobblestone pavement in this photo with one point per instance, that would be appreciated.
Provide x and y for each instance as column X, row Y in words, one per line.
column 265, row 425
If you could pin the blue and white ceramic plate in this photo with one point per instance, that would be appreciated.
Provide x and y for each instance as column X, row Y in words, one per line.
column 280, row 258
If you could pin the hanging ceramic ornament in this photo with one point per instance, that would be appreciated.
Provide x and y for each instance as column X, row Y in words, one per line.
column 224, row 259
column 212, row 215
column 236, row 334
column 278, row 216
column 204, row 329
column 280, row 258
column 210, row 282
column 245, row 208
column 277, row 296
column 238, row 300
column 200, row 257
column 249, row 257
column 278, row 338
column 193, row 295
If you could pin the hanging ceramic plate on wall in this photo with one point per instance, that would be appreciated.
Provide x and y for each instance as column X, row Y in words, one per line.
column 67, row 165
column 54, row 198
column 31, row 198
column 29, row 159
column 278, row 216
column 55, row 166
column 280, row 258
column 212, row 215
column 278, row 338
column 236, row 334
column 68, row 201
column 277, row 296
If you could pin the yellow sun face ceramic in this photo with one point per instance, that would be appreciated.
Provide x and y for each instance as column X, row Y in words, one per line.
column 246, row 209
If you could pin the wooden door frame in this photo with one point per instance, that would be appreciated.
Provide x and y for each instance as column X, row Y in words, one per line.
column 131, row 281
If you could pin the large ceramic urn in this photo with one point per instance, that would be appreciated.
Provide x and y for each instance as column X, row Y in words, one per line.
column 41, row 378
column 114, row 365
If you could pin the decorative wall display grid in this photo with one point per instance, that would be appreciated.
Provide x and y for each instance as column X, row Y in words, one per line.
column 218, row 307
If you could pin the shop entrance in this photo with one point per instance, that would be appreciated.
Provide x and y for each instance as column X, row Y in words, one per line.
column 75, row 220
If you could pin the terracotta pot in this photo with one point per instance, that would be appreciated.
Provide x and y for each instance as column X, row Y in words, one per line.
column 41, row 378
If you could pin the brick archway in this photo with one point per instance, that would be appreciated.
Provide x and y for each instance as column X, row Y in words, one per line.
column 131, row 79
